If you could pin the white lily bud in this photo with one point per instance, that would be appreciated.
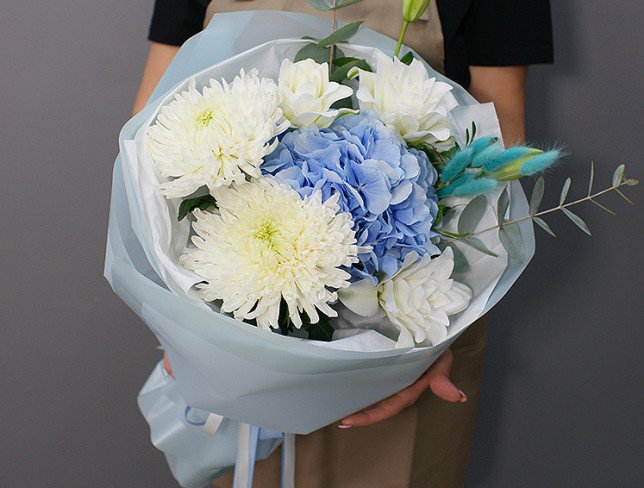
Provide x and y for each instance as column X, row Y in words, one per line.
column 413, row 9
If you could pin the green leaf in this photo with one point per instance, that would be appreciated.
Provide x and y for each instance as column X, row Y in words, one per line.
column 502, row 206
column 451, row 235
column 203, row 203
column 320, row 331
column 449, row 154
column 315, row 52
column 284, row 319
column 461, row 264
column 621, row 194
column 510, row 237
column 343, row 103
column 347, row 59
column 448, row 216
column 341, row 35
column 472, row 215
column 592, row 177
column 576, row 219
column 326, row 5
column 541, row 223
column 478, row 245
column 341, row 72
column 407, row 58
column 564, row 191
column 602, row 207
column 618, row 175
column 537, row 195
column 631, row 182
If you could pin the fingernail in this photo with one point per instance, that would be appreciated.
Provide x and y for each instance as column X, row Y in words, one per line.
column 463, row 397
column 344, row 426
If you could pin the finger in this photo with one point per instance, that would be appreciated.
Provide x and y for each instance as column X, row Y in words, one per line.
column 388, row 407
column 382, row 410
column 438, row 380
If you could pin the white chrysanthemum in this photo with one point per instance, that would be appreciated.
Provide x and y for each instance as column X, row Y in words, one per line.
column 407, row 100
column 307, row 94
column 264, row 244
column 420, row 297
column 217, row 137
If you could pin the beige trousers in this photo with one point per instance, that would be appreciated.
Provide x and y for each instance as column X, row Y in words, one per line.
column 427, row 445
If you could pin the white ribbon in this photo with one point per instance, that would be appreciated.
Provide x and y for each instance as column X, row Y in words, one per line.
column 288, row 461
column 213, row 422
column 247, row 439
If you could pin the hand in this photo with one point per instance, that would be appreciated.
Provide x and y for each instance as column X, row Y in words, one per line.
column 436, row 378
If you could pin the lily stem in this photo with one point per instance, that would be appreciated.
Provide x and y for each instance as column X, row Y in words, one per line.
column 401, row 37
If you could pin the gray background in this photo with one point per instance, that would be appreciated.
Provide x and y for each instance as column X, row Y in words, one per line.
column 563, row 391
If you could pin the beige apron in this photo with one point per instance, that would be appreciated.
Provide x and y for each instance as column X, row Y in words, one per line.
column 427, row 445
column 385, row 16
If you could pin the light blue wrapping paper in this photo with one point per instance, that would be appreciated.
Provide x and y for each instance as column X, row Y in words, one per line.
column 228, row 367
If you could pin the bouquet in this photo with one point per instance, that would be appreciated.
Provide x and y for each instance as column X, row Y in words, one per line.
column 306, row 237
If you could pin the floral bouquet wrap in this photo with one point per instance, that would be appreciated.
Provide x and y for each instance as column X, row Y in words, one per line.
column 304, row 244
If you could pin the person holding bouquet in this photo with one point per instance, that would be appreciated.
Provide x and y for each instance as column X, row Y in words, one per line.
column 416, row 438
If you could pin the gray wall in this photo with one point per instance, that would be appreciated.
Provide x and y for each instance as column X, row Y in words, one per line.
column 562, row 398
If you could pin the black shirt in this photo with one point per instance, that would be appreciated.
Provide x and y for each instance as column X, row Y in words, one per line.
column 476, row 32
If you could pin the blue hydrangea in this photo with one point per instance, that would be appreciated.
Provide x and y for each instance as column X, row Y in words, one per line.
column 387, row 187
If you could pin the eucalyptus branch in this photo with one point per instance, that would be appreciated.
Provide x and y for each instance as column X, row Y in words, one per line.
column 334, row 25
column 560, row 207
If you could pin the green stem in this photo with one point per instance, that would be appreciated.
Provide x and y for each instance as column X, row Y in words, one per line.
column 334, row 24
column 403, row 31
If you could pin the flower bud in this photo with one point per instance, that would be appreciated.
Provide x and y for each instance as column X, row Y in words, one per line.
column 413, row 9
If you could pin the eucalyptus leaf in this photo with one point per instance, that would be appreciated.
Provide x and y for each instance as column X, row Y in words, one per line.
column 343, row 34
column 448, row 216
column 541, row 223
column 510, row 237
column 341, row 72
column 502, row 206
column 564, row 191
column 472, row 215
column 606, row 209
column 203, row 202
column 577, row 220
column 621, row 194
column 326, row 5
column 451, row 235
column 618, row 175
column 537, row 195
column 315, row 52
column 461, row 264
column 407, row 58
column 592, row 177
column 478, row 244
column 347, row 59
